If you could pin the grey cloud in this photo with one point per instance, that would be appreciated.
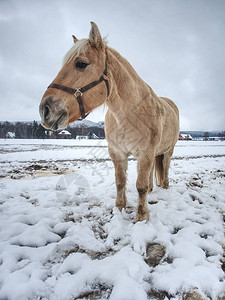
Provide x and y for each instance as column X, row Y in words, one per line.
column 176, row 46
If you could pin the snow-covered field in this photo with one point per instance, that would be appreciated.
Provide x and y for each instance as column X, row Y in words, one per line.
column 61, row 237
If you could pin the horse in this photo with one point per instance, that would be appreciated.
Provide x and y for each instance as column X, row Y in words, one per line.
column 137, row 122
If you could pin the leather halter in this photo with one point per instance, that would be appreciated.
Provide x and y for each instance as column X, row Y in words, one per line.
column 78, row 92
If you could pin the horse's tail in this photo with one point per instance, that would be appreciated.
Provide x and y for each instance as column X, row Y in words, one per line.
column 159, row 169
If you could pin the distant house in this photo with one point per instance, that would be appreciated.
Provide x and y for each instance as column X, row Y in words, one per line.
column 181, row 137
column 95, row 136
column 216, row 138
column 185, row 137
column 50, row 134
column 10, row 135
column 81, row 137
column 64, row 134
column 92, row 136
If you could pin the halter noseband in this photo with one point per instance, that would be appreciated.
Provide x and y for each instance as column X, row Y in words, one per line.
column 78, row 92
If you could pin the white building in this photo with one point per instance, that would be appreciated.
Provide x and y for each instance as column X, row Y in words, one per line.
column 10, row 135
column 81, row 137
column 185, row 136
column 64, row 134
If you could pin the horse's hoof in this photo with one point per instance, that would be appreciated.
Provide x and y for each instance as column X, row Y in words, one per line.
column 120, row 207
column 142, row 213
column 165, row 185
column 144, row 217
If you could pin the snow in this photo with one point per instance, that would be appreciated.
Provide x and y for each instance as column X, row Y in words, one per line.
column 62, row 238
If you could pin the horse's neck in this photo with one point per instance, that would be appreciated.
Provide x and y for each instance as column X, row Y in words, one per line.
column 127, row 88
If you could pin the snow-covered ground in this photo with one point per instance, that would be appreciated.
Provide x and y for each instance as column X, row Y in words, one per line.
column 61, row 237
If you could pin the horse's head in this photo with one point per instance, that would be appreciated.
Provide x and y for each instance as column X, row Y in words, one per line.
column 80, row 86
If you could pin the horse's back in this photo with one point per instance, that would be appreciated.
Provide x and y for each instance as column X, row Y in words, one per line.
column 171, row 127
column 171, row 104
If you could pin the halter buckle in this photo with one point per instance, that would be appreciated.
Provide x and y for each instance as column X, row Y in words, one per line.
column 78, row 93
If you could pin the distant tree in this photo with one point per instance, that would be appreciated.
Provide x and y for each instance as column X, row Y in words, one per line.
column 221, row 135
column 18, row 134
column 29, row 130
column 40, row 134
column 7, row 126
column 206, row 136
column 73, row 131
column 34, row 129
column 98, row 131
column 2, row 130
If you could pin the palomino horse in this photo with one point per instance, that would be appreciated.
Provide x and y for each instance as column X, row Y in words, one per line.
column 137, row 122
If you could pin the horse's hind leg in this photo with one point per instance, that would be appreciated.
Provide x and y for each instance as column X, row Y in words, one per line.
column 120, row 164
column 166, row 164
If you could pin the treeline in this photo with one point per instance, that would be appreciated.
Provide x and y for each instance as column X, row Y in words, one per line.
column 205, row 134
column 220, row 135
column 34, row 130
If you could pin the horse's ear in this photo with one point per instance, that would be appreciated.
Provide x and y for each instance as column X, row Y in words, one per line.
column 95, row 36
column 74, row 39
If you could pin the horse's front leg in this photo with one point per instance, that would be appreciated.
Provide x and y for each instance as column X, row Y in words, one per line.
column 145, row 166
column 150, row 184
column 120, row 164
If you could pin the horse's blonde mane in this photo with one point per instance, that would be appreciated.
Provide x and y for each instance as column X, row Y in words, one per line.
column 80, row 47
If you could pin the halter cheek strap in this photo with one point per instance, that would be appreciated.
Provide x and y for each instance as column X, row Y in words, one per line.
column 78, row 92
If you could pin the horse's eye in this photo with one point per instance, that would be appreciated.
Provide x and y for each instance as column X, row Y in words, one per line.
column 81, row 64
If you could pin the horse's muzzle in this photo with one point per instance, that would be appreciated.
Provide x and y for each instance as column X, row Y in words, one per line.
column 53, row 114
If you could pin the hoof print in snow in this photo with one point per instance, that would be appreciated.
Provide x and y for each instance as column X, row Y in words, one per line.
column 168, row 260
column 129, row 210
column 69, row 217
column 195, row 198
column 152, row 202
column 223, row 265
column 34, row 202
column 176, row 230
column 193, row 296
column 62, row 234
column 154, row 254
column 195, row 183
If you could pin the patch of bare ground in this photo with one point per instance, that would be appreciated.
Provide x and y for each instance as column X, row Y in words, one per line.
column 223, row 260
column 151, row 202
column 58, row 167
column 193, row 296
column 22, row 170
column 97, row 291
column 195, row 198
column 158, row 295
column 161, row 295
column 92, row 254
column 154, row 253
column 195, row 182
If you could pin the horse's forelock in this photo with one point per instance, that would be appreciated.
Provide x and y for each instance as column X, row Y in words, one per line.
column 80, row 47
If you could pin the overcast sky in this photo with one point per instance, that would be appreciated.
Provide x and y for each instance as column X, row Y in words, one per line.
column 176, row 46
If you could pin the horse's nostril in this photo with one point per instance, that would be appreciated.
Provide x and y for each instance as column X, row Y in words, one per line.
column 46, row 112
